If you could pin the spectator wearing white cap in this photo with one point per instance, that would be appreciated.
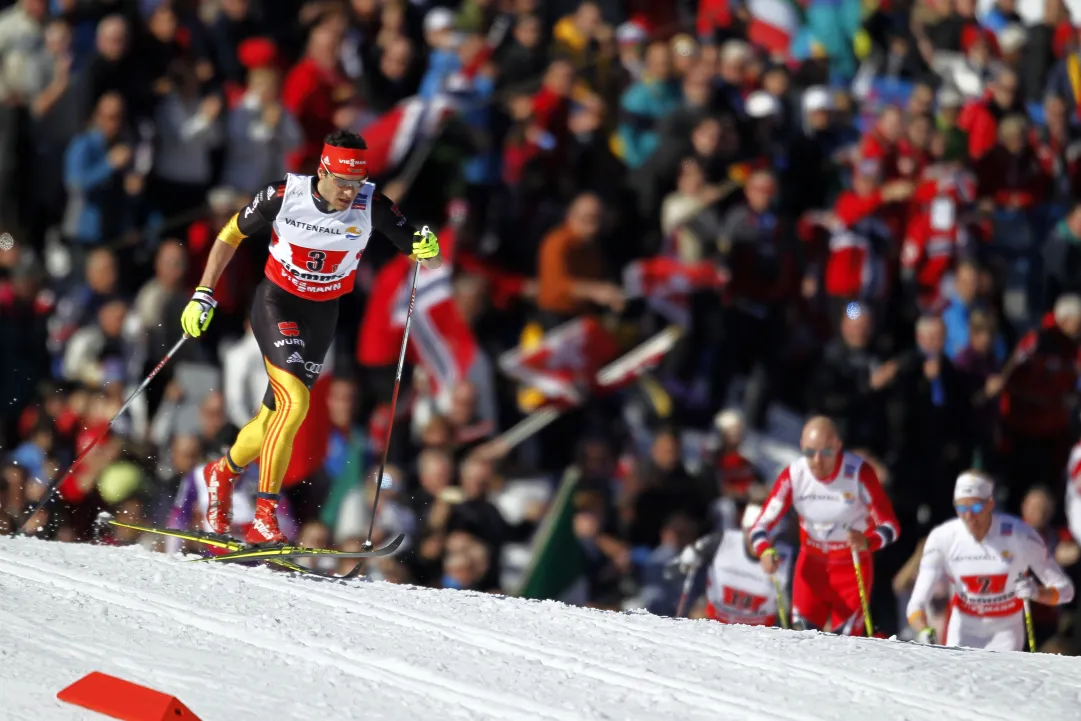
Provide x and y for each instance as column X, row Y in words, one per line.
column 631, row 41
column 813, row 157
column 765, row 131
column 735, row 56
column 439, row 28
column 948, row 103
column 443, row 40
column 987, row 556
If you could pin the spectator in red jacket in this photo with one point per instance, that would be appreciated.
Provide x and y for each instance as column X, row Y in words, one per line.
column 940, row 231
column 1039, row 395
column 881, row 142
column 981, row 118
column 859, row 244
column 318, row 93
column 914, row 147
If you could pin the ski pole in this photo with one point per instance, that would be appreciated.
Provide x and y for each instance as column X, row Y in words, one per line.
column 394, row 401
column 688, row 581
column 863, row 593
column 75, row 464
column 1028, row 628
column 781, row 601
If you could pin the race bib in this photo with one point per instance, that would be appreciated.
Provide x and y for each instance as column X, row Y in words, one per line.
column 943, row 214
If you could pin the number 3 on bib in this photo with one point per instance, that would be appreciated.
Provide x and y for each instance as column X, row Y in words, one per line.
column 316, row 261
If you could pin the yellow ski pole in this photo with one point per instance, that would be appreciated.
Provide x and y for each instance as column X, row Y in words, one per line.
column 781, row 613
column 863, row 593
column 1028, row 628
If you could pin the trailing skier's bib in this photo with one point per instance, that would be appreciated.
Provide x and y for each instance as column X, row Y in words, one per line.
column 737, row 588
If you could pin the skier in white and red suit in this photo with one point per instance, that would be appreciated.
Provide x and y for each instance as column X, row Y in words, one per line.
column 440, row 339
column 987, row 556
column 737, row 588
column 841, row 507
column 941, row 231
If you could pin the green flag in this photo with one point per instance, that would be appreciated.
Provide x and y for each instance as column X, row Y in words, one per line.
column 557, row 569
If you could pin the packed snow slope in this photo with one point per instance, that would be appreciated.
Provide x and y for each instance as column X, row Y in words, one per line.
column 251, row 643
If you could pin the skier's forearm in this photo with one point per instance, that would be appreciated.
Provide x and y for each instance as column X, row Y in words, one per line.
column 219, row 258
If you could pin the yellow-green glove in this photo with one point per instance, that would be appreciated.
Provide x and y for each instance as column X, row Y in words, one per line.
column 425, row 244
column 199, row 311
column 927, row 637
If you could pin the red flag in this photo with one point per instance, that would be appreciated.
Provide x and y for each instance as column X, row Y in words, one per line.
column 628, row 367
column 563, row 364
column 666, row 283
column 393, row 134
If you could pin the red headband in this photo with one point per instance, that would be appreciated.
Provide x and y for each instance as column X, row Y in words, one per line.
column 345, row 162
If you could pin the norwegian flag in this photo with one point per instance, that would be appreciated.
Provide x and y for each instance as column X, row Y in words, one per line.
column 562, row 365
column 666, row 283
column 440, row 338
column 630, row 366
column 579, row 358
column 384, row 315
column 433, row 286
column 392, row 135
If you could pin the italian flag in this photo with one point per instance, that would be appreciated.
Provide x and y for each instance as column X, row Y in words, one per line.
column 773, row 24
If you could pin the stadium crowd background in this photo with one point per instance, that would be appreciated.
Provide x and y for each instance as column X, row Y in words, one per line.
column 888, row 191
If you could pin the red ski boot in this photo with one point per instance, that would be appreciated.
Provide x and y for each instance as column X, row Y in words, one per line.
column 264, row 530
column 219, row 478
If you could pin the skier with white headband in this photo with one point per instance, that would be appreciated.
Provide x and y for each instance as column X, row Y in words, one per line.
column 987, row 556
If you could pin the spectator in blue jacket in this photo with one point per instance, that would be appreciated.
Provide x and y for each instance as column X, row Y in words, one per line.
column 95, row 163
column 964, row 299
column 645, row 103
column 443, row 58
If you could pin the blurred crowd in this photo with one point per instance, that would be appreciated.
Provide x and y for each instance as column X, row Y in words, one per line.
column 868, row 210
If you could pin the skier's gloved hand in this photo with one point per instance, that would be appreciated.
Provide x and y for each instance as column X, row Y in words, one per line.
column 927, row 637
column 199, row 311
column 689, row 560
column 425, row 244
column 770, row 561
column 1026, row 588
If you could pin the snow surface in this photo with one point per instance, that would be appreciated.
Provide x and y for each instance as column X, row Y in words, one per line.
column 251, row 643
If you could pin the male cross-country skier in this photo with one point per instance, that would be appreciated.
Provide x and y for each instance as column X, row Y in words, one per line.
column 987, row 556
column 841, row 507
column 319, row 226
column 737, row 589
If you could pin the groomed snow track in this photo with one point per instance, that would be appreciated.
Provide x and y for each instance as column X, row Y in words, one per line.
column 233, row 642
